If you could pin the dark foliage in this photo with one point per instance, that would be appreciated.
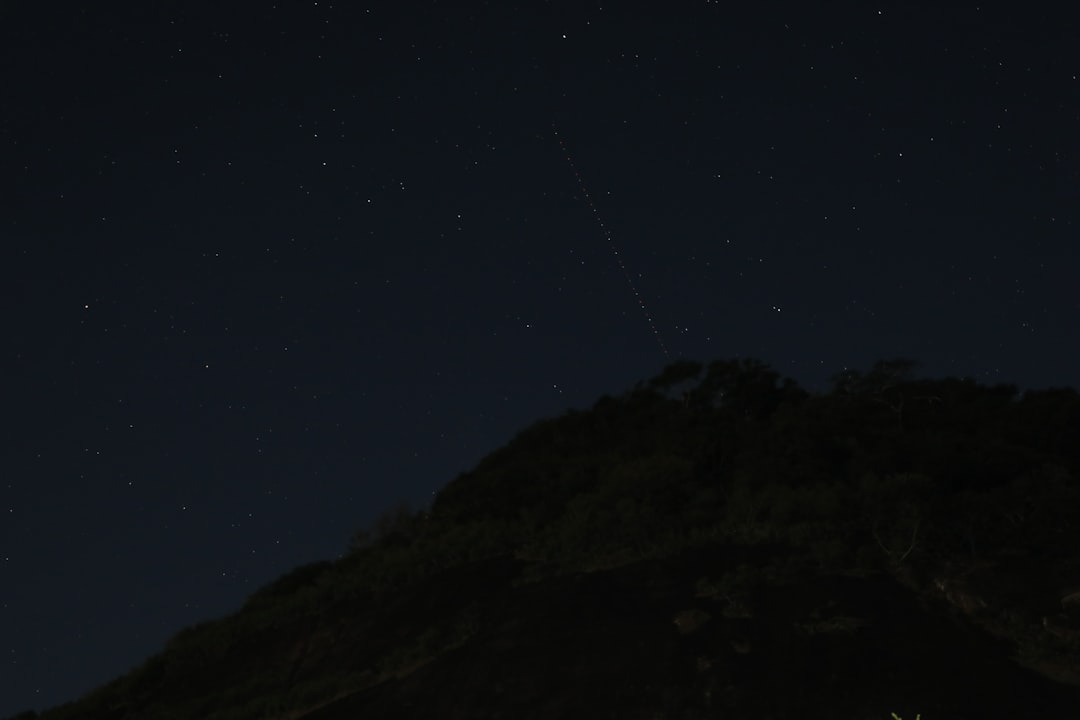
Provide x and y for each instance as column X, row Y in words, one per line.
column 292, row 581
column 724, row 496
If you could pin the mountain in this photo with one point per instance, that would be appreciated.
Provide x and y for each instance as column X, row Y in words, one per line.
column 715, row 542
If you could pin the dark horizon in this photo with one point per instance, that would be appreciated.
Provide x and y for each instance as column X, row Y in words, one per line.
column 672, row 551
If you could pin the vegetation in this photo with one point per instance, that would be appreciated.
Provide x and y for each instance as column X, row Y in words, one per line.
column 926, row 483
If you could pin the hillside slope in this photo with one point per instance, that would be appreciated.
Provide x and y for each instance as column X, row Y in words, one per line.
column 714, row 543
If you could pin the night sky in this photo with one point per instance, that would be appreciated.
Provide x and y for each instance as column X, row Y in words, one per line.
column 271, row 269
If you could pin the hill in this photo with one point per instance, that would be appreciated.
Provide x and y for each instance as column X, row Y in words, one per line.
column 715, row 542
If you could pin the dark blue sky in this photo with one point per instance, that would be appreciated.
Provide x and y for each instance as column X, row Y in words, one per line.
column 271, row 271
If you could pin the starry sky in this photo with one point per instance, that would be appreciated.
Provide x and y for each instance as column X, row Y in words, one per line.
column 270, row 269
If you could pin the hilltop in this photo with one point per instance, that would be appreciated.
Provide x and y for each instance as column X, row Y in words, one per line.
column 714, row 542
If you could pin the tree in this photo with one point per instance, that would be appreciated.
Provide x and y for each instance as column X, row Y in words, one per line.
column 745, row 387
column 680, row 371
column 397, row 526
